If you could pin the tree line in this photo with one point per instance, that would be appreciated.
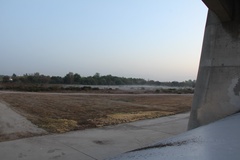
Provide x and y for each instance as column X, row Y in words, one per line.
column 96, row 79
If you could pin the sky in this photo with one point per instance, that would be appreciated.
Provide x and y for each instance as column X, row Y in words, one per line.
column 151, row 39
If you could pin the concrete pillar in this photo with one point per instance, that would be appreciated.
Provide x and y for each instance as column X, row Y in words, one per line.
column 217, row 92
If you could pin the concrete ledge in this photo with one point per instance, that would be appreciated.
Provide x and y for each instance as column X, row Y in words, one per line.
column 216, row 141
column 223, row 8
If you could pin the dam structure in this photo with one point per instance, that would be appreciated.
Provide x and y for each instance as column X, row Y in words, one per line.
column 217, row 92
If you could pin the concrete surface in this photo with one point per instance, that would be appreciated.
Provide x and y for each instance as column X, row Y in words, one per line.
column 217, row 91
column 95, row 144
column 11, row 122
column 216, row 141
column 224, row 9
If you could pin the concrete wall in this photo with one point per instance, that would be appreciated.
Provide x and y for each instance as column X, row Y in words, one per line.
column 217, row 92
column 223, row 8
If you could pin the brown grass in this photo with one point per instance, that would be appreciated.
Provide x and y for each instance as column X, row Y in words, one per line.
column 58, row 113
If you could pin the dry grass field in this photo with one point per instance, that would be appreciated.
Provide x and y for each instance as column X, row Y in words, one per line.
column 63, row 112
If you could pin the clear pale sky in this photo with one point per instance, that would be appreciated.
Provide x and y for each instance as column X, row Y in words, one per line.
column 150, row 39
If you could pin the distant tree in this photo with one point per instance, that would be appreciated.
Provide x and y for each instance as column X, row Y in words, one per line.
column 1, row 78
column 84, row 81
column 151, row 82
column 91, row 81
column 190, row 83
column 175, row 84
column 14, row 75
column 44, row 79
column 37, row 74
column 96, row 79
column 118, row 81
column 30, row 79
column 158, row 83
column 109, row 79
column 69, row 78
column 56, row 80
column 77, row 78
column 102, row 81
column 35, row 77
column 15, row 78
column 96, row 75
column 6, row 79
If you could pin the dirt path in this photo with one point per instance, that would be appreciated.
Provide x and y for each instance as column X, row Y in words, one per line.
column 13, row 124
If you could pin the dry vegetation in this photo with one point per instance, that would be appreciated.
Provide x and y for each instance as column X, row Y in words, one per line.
column 58, row 113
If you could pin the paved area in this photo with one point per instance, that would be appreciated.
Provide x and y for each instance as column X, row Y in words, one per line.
column 13, row 123
column 95, row 144
column 216, row 141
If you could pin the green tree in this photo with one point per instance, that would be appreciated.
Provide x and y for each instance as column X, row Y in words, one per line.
column 77, row 78
column 96, row 75
column 15, row 78
column 69, row 78
column 91, row 81
column 118, row 81
column 56, row 80
column 6, row 79
column 102, row 81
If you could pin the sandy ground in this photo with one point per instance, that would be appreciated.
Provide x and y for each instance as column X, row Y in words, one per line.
column 11, row 123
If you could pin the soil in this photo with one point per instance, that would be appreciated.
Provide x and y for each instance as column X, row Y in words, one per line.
column 63, row 112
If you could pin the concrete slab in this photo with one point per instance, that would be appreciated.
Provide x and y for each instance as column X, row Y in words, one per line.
column 12, row 122
column 216, row 141
column 95, row 144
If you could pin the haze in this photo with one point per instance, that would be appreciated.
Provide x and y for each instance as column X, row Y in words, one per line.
column 150, row 39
